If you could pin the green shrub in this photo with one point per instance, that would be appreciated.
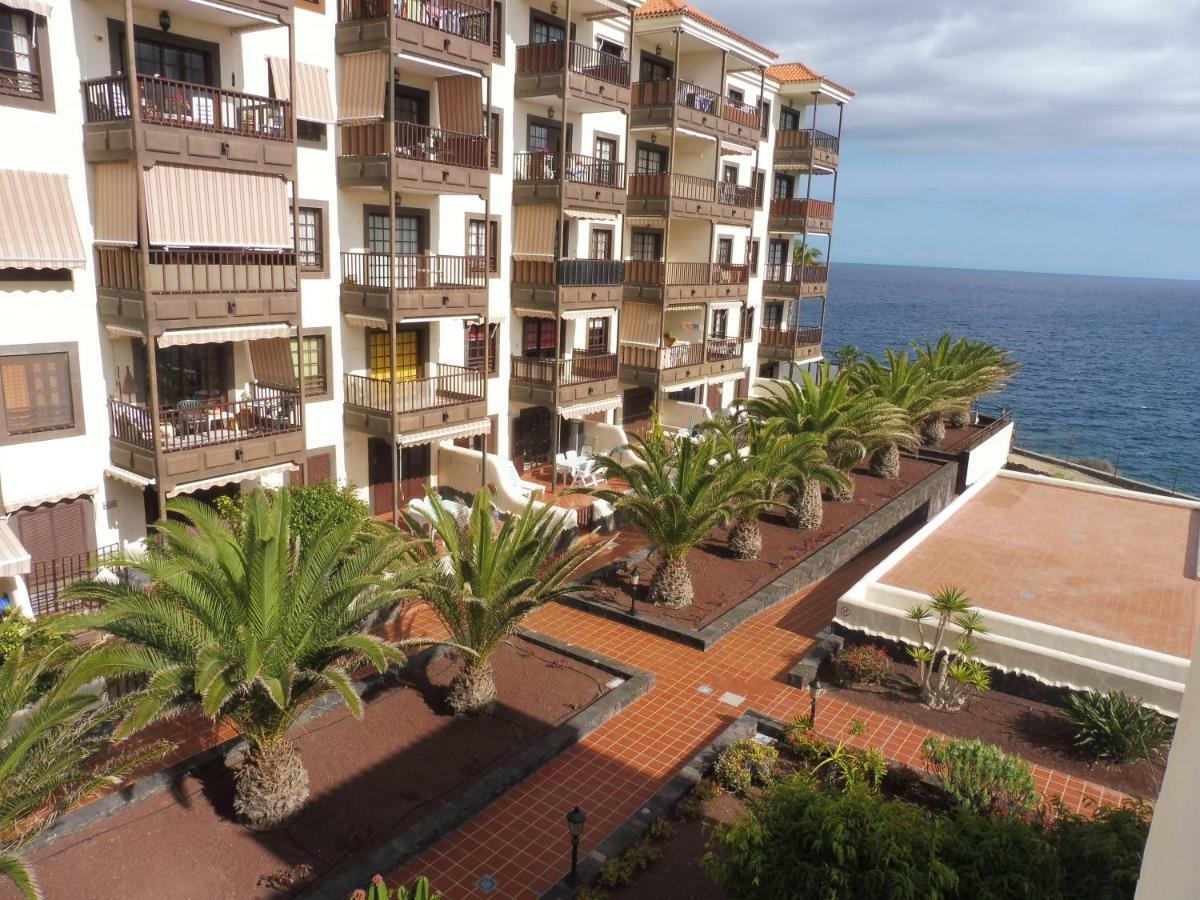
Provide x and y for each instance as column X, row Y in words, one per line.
column 379, row 890
column 865, row 664
column 804, row 744
column 745, row 764
column 1116, row 726
column 980, row 776
column 1101, row 856
column 660, row 830
column 620, row 870
column 20, row 633
column 310, row 504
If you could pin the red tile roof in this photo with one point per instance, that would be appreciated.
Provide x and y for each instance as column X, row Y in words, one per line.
column 654, row 9
column 799, row 73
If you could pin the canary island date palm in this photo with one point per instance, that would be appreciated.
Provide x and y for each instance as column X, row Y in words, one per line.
column 487, row 579
column 50, row 741
column 970, row 369
column 252, row 627
column 676, row 496
column 908, row 387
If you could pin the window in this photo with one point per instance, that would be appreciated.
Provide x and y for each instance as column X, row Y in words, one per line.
column 537, row 338
column 408, row 354
column 602, row 243
column 785, row 186
column 655, row 68
column 477, row 246
column 752, row 255
column 597, row 335
column 544, row 135
column 645, row 246
column 312, row 367
column 649, row 160
column 412, row 105
column 162, row 59
column 544, row 30
column 38, row 391
column 497, row 135
column 747, row 323
column 197, row 372
column 772, row 315
column 311, row 133
column 777, row 253
column 720, row 323
column 611, row 48
column 737, row 96
column 729, row 174
column 24, row 65
column 764, row 116
column 606, row 149
column 498, row 31
column 310, row 241
column 410, row 233
column 475, row 348
column 725, row 250
column 760, row 186
column 789, row 119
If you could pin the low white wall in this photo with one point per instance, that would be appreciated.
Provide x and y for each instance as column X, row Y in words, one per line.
column 989, row 457
column 458, row 468
column 15, row 588
column 681, row 414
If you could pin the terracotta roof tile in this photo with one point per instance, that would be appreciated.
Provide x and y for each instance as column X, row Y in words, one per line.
column 798, row 73
column 653, row 9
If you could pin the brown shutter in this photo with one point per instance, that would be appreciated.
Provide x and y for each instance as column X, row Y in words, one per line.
column 54, row 532
column 460, row 103
column 714, row 397
column 272, row 361
column 318, row 467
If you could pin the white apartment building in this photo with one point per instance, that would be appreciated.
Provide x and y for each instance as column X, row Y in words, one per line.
column 204, row 285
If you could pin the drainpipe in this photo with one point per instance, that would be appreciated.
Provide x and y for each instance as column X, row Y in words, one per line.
column 564, row 151
column 301, row 411
column 487, row 255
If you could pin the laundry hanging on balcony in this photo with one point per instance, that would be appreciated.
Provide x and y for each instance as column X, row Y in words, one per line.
column 188, row 207
column 38, row 229
column 362, row 90
column 460, row 104
column 115, row 189
column 313, row 100
column 533, row 234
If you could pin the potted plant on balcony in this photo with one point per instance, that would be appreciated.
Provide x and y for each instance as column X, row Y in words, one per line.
column 668, row 339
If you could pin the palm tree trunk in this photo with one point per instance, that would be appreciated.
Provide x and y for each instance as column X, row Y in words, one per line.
column 671, row 585
column 885, row 463
column 844, row 493
column 959, row 418
column 745, row 539
column 473, row 690
column 809, row 511
column 270, row 786
column 933, row 431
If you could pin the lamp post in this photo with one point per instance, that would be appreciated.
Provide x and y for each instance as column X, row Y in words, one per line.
column 575, row 822
column 634, row 580
column 816, row 690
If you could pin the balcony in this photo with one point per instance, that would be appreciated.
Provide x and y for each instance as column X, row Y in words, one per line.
column 199, row 439
column 591, row 183
column 413, row 285
column 184, row 123
column 447, row 31
column 577, row 283
column 791, row 282
column 672, row 281
column 799, row 216
column 583, row 376
column 677, row 103
column 427, row 158
column 789, row 344
column 24, row 85
column 674, row 194
column 595, row 80
column 682, row 362
column 804, row 149
column 444, row 395
column 195, row 288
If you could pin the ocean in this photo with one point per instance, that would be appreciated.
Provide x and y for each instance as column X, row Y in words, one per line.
column 1110, row 366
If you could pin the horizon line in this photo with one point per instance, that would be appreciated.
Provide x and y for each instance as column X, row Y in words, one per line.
column 851, row 262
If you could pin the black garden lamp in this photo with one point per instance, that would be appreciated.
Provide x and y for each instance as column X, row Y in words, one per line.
column 575, row 823
column 816, row 690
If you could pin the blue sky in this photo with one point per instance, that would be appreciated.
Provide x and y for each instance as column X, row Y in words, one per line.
column 1036, row 135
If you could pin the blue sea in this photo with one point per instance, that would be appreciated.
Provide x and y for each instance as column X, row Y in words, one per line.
column 1110, row 366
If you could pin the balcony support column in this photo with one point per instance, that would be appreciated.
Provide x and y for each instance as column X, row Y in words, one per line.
column 564, row 152
column 301, row 410
column 487, row 255
column 812, row 142
column 390, row 137
column 829, row 245
column 662, row 311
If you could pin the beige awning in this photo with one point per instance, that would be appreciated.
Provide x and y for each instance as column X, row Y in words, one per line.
column 37, row 222
column 192, row 486
column 188, row 207
column 115, row 187
column 587, row 407
column 444, row 433
column 12, row 504
column 643, row 220
column 589, row 215
column 14, row 558
column 533, row 234
column 460, row 103
column 131, row 478
column 314, row 103
column 696, row 134
column 189, row 336
column 272, row 361
column 684, row 307
column 366, row 321
column 33, row 6
column 579, row 315
column 362, row 90
column 728, row 149
column 123, row 331
column 641, row 323
column 722, row 304
column 532, row 312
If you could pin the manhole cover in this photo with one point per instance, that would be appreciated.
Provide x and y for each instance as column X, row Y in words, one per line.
column 487, row 884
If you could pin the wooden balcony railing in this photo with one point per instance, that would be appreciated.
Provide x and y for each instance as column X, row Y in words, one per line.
column 664, row 93
column 674, row 357
column 413, row 271
column 685, row 273
column 180, row 104
column 569, row 272
column 789, row 338
column 786, row 273
column 736, row 195
column 803, row 138
column 721, row 347
column 49, row 579
column 582, row 367
column 446, row 385
column 420, row 142
column 211, row 271
column 691, row 187
column 798, row 207
column 548, row 57
column 15, row 83
column 741, row 113
column 450, row 16
column 580, row 169
column 201, row 423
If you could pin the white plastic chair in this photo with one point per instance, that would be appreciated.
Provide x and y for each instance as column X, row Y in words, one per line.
column 512, row 477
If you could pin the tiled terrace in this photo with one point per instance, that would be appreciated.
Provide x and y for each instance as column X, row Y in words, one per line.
column 1110, row 566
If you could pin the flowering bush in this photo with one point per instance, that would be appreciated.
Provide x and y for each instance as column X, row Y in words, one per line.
column 865, row 663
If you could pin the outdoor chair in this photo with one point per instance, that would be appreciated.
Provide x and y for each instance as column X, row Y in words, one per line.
column 527, row 489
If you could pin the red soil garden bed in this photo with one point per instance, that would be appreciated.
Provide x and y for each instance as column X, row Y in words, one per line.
column 370, row 780
column 721, row 582
column 1032, row 730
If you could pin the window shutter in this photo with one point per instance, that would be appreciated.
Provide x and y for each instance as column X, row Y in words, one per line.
column 272, row 361
column 318, row 467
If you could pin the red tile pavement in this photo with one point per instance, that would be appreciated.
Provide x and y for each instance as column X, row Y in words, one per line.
column 520, row 840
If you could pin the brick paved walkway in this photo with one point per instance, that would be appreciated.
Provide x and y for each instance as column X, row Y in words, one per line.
column 520, row 840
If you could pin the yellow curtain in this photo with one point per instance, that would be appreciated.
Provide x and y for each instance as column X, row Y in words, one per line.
column 408, row 355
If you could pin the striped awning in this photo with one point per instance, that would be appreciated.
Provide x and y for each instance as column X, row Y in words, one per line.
column 652, row 221
column 460, row 103
column 188, row 207
column 38, row 229
column 188, row 336
column 236, row 478
column 696, row 134
column 271, row 359
column 314, row 102
column 532, row 312
column 123, row 331
column 684, row 307
column 366, row 321
column 116, row 473
column 33, row 6
column 587, row 407
column 722, row 304
column 362, row 89
column 590, row 215
column 579, row 315
column 533, row 234
column 115, row 188
column 641, row 323
column 444, row 433
column 14, row 558
column 728, row 149
column 71, row 492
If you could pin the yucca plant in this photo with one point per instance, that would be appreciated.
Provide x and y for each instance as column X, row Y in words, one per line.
column 487, row 579
column 675, row 498
column 50, row 752
column 250, row 626
column 946, row 671
column 907, row 387
column 1115, row 726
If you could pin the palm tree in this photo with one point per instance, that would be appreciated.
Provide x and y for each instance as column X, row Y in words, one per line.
column 49, row 753
column 489, row 579
column 675, row 498
column 908, row 387
column 805, row 255
column 971, row 369
column 252, row 626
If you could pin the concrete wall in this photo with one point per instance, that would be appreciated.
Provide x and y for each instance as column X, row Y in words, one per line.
column 989, row 457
